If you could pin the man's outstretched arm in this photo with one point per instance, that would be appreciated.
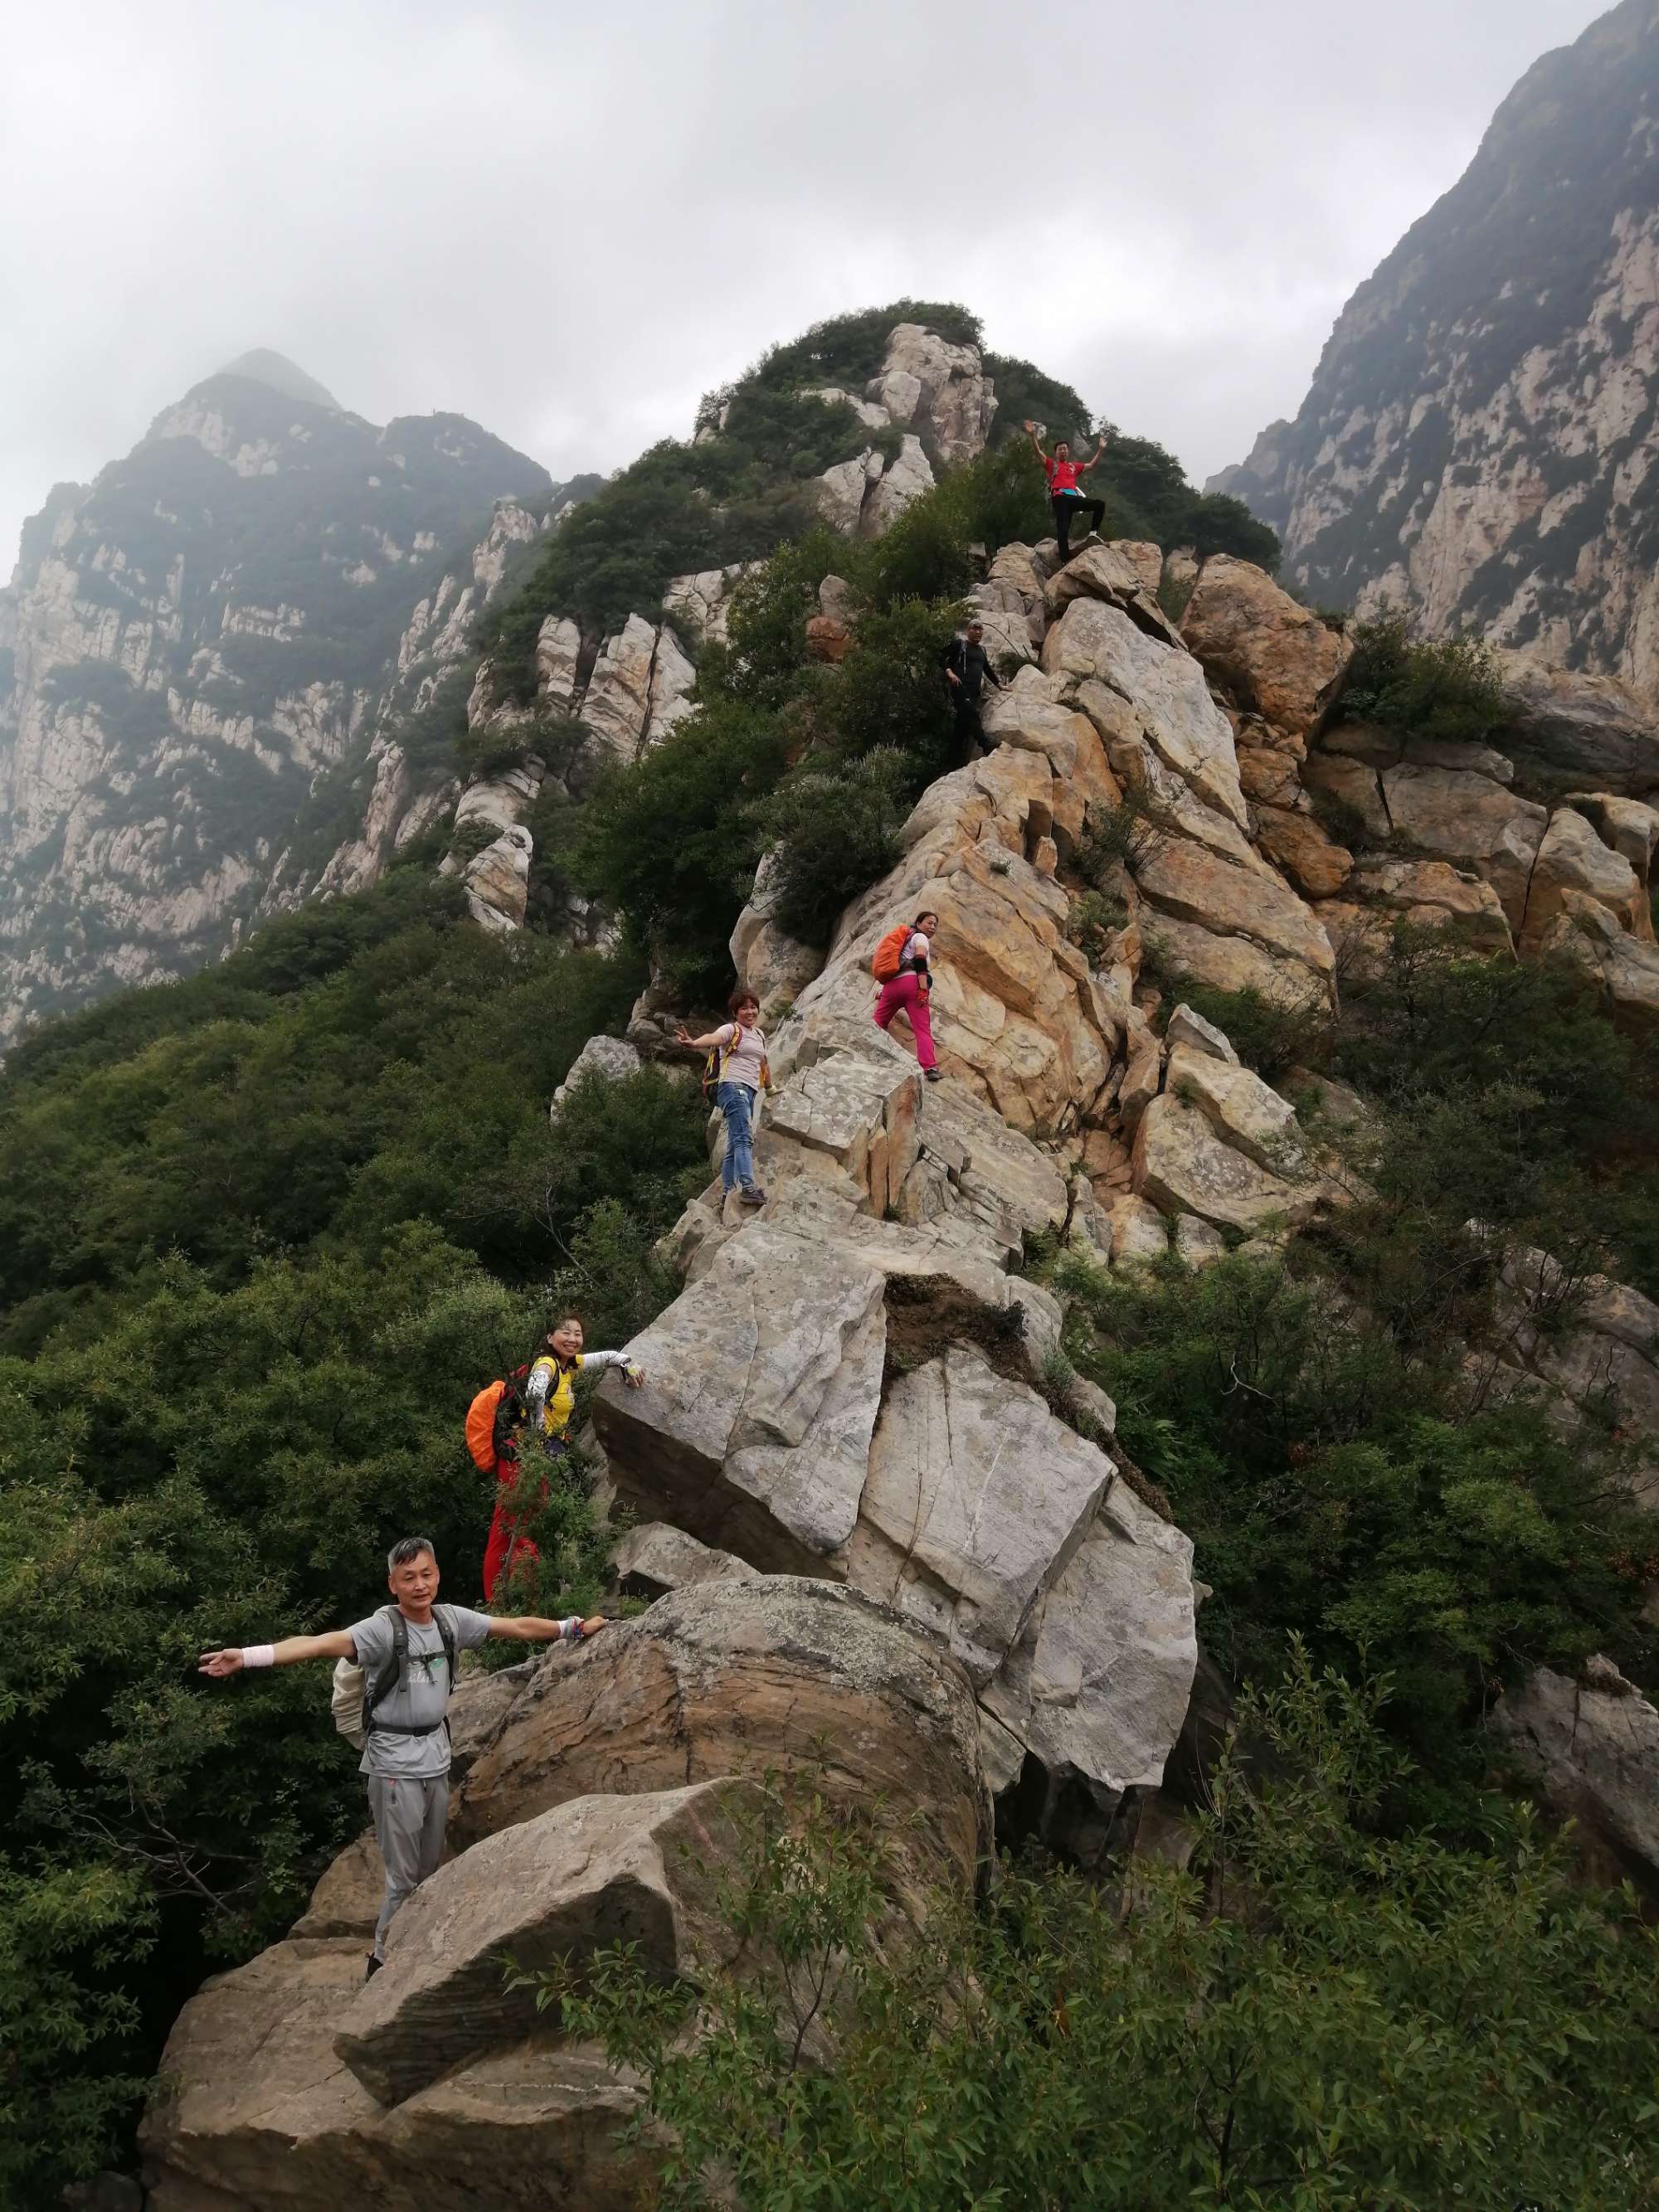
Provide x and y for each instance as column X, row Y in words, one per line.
column 529, row 1628
column 336, row 1644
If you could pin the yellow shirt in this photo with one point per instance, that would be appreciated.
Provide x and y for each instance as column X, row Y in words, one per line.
column 551, row 1388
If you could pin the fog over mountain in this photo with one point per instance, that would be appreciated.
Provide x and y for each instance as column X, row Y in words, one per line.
column 566, row 226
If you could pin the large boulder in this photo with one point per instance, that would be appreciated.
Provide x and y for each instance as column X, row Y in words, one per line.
column 1592, row 728
column 1572, row 858
column 741, row 1677
column 1592, row 1745
column 558, row 651
column 1625, row 968
column 1183, row 1166
column 767, row 961
column 1277, row 659
column 497, row 882
column 1595, row 1341
column 1185, row 882
column 905, row 478
column 642, row 1869
column 616, row 706
column 1165, row 687
column 611, row 1058
column 1451, row 814
column 927, row 383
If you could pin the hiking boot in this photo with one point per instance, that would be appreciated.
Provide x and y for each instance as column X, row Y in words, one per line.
column 752, row 1196
column 373, row 1968
column 934, row 1074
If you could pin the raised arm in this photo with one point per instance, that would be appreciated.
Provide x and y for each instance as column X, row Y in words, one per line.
column 632, row 1371
column 1037, row 443
column 529, row 1628
column 336, row 1644
column 1099, row 449
column 682, row 1036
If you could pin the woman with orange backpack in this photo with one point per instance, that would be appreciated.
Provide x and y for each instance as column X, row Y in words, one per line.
column 531, row 1408
column 901, row 968
column 737, row 1069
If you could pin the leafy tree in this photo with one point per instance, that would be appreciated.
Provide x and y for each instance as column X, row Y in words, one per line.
column 1320, row 2014
column 835, row 835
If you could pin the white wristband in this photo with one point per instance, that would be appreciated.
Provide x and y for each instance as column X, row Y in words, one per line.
column 571, row 1630
column 258, row 1654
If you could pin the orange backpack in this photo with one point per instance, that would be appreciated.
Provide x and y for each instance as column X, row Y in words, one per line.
column 889, row 952
column 481, row 1426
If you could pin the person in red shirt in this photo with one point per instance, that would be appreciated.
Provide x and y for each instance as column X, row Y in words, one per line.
column 1065, row 493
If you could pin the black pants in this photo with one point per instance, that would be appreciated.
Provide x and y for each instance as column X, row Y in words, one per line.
column 967, row 738
column 1068, row 506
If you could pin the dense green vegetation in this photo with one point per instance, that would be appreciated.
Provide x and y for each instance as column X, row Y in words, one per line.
column 1442, row 689
column 1320, row 2013
column 262, row 1234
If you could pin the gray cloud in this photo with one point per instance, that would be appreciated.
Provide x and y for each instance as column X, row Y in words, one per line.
column 568, row 222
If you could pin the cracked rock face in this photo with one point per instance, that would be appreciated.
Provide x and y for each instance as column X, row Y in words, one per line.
column 1592, row 1746
column 1479, row 443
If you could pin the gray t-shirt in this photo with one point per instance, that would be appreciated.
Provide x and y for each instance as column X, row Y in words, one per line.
column 425, row 1696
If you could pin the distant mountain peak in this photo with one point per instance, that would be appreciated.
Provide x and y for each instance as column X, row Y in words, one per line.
column 265, row 366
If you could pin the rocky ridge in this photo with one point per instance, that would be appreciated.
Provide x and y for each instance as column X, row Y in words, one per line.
column 1480, row 432
column 875, row 1509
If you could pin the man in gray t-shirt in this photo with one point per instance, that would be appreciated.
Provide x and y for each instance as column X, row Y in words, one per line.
column 406, row 1752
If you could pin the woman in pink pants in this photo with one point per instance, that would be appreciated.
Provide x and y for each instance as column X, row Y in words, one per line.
column 907, row 991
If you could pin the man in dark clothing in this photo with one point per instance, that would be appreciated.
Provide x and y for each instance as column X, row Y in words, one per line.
column 967, row 668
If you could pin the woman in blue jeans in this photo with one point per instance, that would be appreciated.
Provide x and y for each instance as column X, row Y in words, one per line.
column 742, row 1072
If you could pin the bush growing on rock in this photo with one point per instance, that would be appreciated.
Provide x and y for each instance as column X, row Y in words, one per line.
column 1403, row 2023
column 834, row 836
column 1446, row 688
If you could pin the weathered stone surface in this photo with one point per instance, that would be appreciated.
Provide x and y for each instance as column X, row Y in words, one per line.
column 616, row 706
column 1015, row 1011
column 1182, row 1167
column 752, row 1428
column 497, row 882
column 1138, row 1231
column 1593, row 1746
column 844, row 489
column 1276, row 658
column 558, row 646
column 926, row 381
column 1626, row 824
column 767, row 961
column 1467, row 817
column 1196, row 1243
column 1295, row 842
column 1164, row 687
column 1189, row 884
column 863, row 1113
column 827, row 639
column 1431, row 890
column 1123, row 573
column 732, row 1677
column 1573, row 857
column 1190, row 1030
column 901, row 482
column 1353, row 785
column 1596, row 1341
column 1626, row 970
column 702, row 602
column 1244, row 1112
column 1232, row 964
column 672, row 680
column 654, row 1557
column 642, row 1869
column 1581, row 725
column 977, row 1497
column 612, row 1058
column 1098, row 1684
column 1269, row 777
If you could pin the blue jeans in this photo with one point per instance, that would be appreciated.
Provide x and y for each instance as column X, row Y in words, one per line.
column 737, row 1101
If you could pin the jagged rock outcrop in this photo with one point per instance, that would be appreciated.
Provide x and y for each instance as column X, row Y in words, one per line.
column 203, row 639
column 1591, row 1745
column 605, row 1808
column 1479, row 437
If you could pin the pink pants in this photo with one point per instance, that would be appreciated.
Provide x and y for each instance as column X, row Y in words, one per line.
column 905, row 993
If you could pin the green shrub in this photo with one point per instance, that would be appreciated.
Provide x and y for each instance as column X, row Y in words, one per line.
column 835, row 834
column 1331, row 1490
column 1446, row 688
column 672, row 843
column 847, row 350
column 1322, row 2014
column 1271, row 1035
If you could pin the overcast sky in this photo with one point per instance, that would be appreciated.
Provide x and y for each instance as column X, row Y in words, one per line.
column 568, row 221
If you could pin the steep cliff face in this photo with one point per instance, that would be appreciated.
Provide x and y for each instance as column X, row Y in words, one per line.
column 1480, row 431
column 192, row 643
